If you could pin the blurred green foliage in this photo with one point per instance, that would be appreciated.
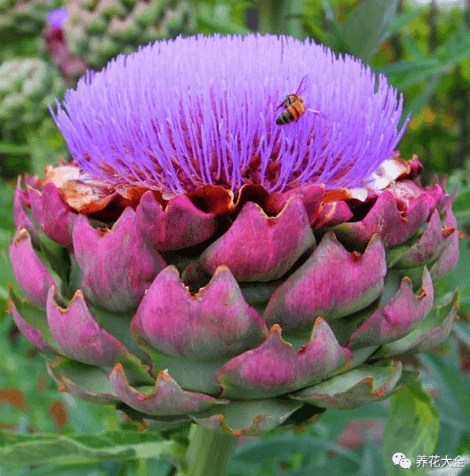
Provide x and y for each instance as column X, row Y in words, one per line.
column 425, row 52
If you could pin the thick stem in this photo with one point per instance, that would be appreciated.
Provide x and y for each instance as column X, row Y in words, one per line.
column 281, row 17
column 209, row 452
column 266, row 23
column 293, row 26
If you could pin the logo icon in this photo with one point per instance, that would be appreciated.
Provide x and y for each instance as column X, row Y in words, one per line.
column 402, row 460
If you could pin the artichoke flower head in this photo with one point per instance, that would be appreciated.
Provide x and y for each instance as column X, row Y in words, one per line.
column 179, row 115
column 223, row 268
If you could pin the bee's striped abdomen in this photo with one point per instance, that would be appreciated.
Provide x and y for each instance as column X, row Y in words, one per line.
column 294, row 109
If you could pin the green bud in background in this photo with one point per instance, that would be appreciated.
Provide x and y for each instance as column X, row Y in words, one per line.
column 27, row 87
column 99, row 30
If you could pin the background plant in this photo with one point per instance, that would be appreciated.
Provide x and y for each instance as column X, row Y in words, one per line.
column 425, row 52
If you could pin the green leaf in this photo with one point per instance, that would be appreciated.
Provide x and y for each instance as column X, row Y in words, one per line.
column 46, row 145
column 413, row 47
column 14, row 149
column 462, row 330
column 408, row 73
column 412, row 428
column 420, row 72
column 50, row 470
column 461, row 200
column 3, row 302
column 420, row 100
column 464, row 447
column 7, row 191
column 456, row 387
column 366, row 26
column 459, row 276
column 6, row 273
column 392, row 71
column 462, row 215
column 313, row 29
column 83, row 417
column 253, row 458
column 81, row 449
column 399, row 21
column 283, row 447
column 404, row 74
column 456, row 48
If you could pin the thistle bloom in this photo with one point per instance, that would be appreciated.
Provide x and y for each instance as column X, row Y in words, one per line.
column 212, row 266
column 57, row 17
column 178, row 116
column 70, row 65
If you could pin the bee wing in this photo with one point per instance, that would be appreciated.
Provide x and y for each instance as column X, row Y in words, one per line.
column 304, row 85
column 318, row 113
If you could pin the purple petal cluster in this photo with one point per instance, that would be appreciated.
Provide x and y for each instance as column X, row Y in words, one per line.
column 56, row 18
column 184, row 113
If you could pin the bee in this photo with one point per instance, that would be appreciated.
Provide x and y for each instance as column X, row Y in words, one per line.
column 294, row 105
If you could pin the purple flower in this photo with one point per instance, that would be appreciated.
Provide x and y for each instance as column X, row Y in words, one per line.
column 180, row 114
column 56, row 18
column 231, row 306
